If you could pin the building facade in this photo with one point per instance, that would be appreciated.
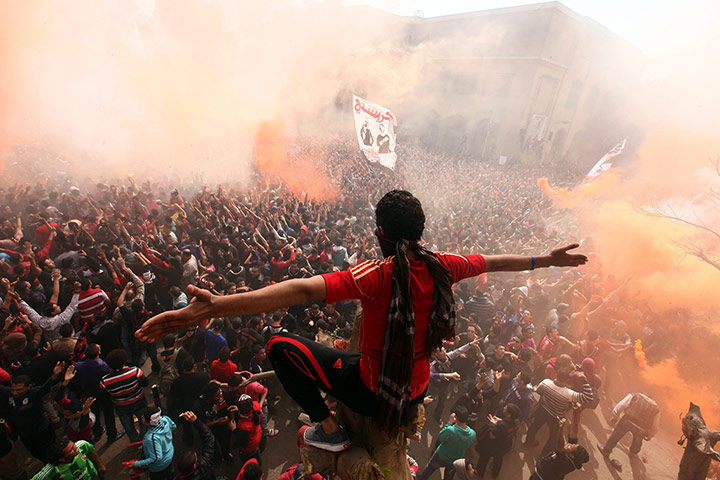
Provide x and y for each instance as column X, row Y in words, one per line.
column 533, row 83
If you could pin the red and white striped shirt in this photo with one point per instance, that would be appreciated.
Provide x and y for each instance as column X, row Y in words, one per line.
column 92, row 301
column 123, row 386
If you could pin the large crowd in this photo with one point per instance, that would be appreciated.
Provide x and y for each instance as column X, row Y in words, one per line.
column 84, row 265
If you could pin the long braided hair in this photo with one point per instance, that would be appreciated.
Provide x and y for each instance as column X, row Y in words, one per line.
column 402, row 220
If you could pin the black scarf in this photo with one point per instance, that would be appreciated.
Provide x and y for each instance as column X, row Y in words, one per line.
column 394, row 381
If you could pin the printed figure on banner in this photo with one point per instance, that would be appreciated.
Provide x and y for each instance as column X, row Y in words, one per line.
column 374, row 127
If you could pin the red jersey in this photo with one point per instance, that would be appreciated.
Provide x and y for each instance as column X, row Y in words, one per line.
column 295, row 472
column 546, row 348
column 370, row 282
column 42, row 233
column 222, row 371
column 241, row 473
column 248, row 426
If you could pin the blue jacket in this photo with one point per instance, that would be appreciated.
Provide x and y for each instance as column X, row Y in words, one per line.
column 522, row 397
column 26, row 415
column 158, row 446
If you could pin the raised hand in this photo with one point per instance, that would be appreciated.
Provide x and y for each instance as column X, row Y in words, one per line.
column 88, row 403
column 188, row 416
column 121, row 262
column 69, row 375
column 561, row 258
column 57, row 369
column 199, row 309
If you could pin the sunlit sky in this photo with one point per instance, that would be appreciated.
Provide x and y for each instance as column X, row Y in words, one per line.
column 648, row 24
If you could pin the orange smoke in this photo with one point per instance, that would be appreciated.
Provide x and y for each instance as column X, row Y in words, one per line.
column 674, row 392
column 602, row 186
column 301, row 175
column 640, row 355
column 152, row 88
column 671, row 289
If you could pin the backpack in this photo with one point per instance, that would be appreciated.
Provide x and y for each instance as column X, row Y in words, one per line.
column 168, row 372
column 271, row 330
column 642, row 410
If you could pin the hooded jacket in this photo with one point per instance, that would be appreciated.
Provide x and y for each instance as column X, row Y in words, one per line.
column 454, row 440
column 158, row 446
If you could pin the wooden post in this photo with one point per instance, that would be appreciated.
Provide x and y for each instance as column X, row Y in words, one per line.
column 695, row 462
column 373, row 455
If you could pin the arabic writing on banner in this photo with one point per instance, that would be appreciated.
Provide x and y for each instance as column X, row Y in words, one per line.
column 374, row 126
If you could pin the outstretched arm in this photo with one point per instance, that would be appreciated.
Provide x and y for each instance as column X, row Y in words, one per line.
column 561, row 435
column 205, row 305
column 517, row 263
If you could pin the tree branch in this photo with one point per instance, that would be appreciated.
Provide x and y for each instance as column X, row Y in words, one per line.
column 702, row 256
column 671, row 215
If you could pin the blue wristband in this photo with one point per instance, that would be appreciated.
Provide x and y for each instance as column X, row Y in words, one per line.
column 533, row 263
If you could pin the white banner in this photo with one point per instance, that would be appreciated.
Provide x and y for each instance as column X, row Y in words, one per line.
column 374, row 127
column 536, row 127
column 604, row 163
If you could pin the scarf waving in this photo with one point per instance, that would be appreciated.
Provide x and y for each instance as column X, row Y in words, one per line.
column 393, row 395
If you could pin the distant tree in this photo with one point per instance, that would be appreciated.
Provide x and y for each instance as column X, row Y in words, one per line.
column 706, row 246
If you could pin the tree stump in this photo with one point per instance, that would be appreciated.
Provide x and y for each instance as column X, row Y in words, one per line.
column 373, row 455
column 700, row 451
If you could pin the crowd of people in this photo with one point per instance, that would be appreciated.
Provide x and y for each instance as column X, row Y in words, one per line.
column 84, row 266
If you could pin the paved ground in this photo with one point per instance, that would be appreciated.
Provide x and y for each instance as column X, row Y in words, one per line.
column 657, row 461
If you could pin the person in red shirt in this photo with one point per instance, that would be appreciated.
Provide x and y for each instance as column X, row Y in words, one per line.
column 249, row 429
column 43, row 232
column 222, row 368
column 295, row 473
column 256, row 390
column 555, row 364
column 343, row 343
column 250, row 471
column 91, row 300
column 547, row 347
column 407, row 311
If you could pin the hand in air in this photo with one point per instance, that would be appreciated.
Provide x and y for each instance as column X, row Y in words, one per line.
column 69, row 374
column 561, row 258
column 188, row 416
column 199, row 309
